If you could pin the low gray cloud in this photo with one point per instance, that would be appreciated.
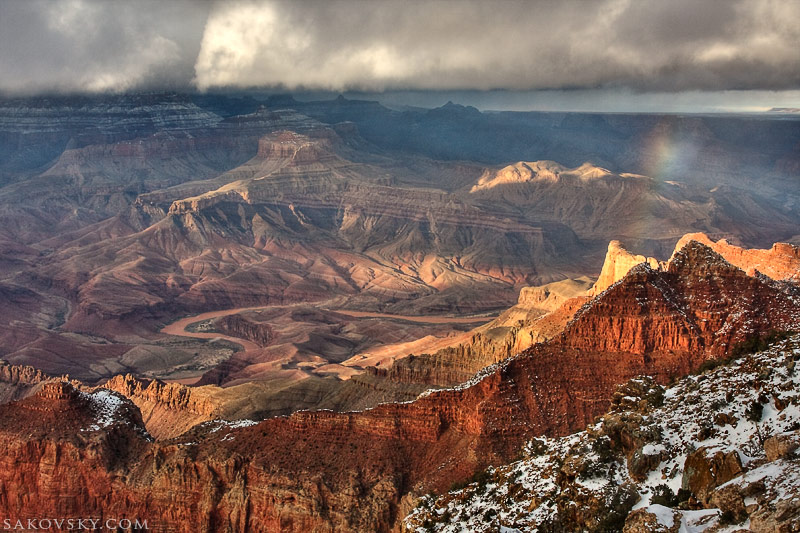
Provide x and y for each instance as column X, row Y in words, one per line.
column 97, row 45
column 649, row 45
column 520, row 45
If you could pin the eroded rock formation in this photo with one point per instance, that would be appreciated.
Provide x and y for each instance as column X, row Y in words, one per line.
column 781, row 262
column 618, row 262
column 168, row 409
column 17, row 381
column 242, row 328
column 355, row 471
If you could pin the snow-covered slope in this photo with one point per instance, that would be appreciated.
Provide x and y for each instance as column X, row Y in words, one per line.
column 715, row 452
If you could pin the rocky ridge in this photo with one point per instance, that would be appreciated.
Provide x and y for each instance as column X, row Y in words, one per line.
column 542, row 299
column 781, row 262
column 18, row 381
column 618, row 262
column 488, row 345
column 716, row 452
column 703, row 305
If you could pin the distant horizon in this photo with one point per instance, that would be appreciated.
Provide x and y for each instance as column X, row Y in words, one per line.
column 575, row 101
column 594, row 101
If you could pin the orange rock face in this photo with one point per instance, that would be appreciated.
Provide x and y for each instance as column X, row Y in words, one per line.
column 17, row 381
column 781, row 262
column 699, row 304
column 325, row 471
column 168, row 409
column 618, row 262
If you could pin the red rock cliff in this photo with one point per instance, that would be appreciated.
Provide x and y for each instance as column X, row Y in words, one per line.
column 325, row 471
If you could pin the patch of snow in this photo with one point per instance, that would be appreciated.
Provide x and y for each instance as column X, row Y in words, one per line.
column 105, row 405
column 698, row 521
column 652, row 449
column 231, row 424
column 663, row 514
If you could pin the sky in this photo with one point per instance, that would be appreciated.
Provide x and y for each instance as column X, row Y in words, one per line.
column 496, row 54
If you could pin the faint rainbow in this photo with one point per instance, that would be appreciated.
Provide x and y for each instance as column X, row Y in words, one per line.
column 666, row 154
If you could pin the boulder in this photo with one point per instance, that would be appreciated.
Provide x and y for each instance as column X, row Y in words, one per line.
column 706, row 469
column 781, row 446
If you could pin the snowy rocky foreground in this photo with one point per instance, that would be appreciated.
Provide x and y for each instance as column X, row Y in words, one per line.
column 716, row 452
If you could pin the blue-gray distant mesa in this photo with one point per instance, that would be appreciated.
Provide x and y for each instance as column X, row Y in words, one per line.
column 651, row 45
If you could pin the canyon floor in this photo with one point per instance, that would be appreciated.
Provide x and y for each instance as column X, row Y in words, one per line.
column 320, row 340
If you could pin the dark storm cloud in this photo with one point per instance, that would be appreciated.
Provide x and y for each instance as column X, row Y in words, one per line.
column 648, row 45
column 651, row 45
column 98, row 45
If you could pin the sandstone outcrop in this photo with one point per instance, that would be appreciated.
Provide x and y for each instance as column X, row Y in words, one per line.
column 168, row 409
column 781, row 446
column 489, row 344
column 703, row 304
column 542, row 299
column 619, row 261
column 238, row 326
column 18, row 381
column 705, row 470
column 781, row 262
column 540, row 314
column 19, row 374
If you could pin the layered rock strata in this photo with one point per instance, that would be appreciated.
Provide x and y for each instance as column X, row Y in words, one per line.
column 18, row 381
column 168, row 409
column 355, row 471
column 240, row 327
column 694, row 457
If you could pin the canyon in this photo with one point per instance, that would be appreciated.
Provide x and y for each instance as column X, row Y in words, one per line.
column 192, row 205
column 247, row 313
column 662, row 322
